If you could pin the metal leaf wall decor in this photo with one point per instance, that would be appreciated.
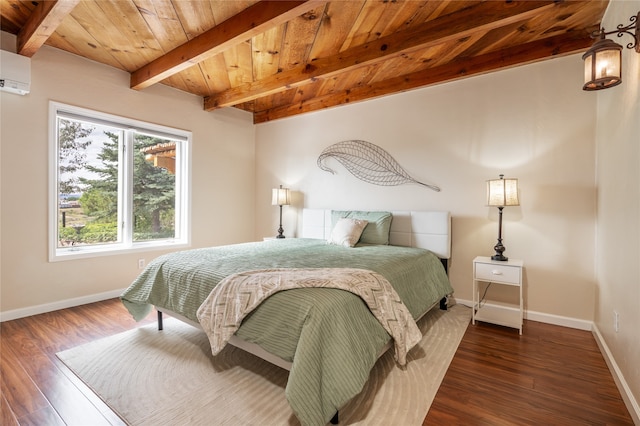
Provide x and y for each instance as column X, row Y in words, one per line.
column 368, row 162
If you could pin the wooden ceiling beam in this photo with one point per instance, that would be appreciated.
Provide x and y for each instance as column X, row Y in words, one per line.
column 457, row 69
column 42, row 22
column 252, row 21
column 480, row 17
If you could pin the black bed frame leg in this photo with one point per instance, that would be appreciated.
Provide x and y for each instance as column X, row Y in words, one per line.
column 443, row 304
column 159, row 320
column 334, row 419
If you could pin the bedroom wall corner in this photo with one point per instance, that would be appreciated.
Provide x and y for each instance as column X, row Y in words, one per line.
column 618, row 221
column 223, row 178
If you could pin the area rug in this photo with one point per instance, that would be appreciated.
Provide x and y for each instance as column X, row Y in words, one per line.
column 169, row 377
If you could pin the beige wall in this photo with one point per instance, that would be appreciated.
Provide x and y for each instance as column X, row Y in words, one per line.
column 222, row 174
column 618, row 235
column 533, row 122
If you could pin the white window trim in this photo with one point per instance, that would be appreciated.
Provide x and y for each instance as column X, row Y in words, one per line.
column 183, row 188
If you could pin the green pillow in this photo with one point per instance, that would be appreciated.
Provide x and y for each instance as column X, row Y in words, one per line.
column 377, row 229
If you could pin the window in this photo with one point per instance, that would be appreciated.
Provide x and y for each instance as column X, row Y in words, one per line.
column 117, row 184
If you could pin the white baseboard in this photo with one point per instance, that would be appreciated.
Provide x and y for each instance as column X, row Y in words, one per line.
column 543, row 317
column 62, row 304
column 618, row 378
column 559, row 320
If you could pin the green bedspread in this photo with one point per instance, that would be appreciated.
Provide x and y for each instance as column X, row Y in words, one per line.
column 330, row 335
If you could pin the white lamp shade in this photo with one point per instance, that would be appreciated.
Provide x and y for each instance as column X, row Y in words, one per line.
column 281, row 196
column 502, row 192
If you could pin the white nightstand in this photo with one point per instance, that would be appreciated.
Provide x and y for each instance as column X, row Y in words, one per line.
column 502, row 273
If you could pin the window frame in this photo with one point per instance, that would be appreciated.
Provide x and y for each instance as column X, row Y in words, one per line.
column 182, row 221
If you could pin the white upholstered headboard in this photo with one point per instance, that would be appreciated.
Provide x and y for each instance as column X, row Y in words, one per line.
column 430, row 230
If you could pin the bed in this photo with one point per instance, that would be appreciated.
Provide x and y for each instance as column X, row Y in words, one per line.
column 327, row 338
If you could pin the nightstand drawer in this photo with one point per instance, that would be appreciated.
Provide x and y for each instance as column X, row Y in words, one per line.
column 497, row 273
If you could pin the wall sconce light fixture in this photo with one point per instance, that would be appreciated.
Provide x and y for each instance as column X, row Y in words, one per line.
column 603, row 61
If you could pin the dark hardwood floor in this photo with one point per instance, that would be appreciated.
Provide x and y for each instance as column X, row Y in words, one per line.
column 550, row 375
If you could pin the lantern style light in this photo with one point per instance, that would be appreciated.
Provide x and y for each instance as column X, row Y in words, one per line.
column 603, row 61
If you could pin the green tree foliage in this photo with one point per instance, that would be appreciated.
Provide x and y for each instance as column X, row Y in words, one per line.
column 72, row 157
column 101, row 205
column 153, row 193
column 100, row 199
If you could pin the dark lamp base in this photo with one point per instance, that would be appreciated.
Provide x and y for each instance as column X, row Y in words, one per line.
column 499, row 248
column 280, row 236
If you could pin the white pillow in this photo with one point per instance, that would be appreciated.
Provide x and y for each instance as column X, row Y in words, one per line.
column 347, row 232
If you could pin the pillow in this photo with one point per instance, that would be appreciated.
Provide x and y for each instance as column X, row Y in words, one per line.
column 378, row 226
column 347, row 232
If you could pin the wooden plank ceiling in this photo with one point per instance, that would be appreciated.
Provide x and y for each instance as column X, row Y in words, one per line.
column 281, row 58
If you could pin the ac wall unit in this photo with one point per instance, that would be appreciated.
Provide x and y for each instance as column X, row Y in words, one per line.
column 15, row 73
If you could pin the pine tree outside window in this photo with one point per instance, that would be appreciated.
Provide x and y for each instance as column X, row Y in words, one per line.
column 118, row 184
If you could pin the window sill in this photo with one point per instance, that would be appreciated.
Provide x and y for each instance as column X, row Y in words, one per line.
column 84, row 252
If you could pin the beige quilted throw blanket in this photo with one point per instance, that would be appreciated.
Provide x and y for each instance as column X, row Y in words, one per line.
column 221, row 314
